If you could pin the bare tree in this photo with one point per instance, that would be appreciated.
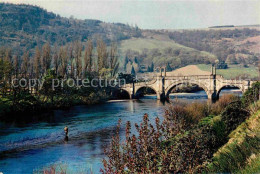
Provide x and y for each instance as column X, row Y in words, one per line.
column 78, row 59
column 37, row 62
column 88, row 57
column 64, row 61
column 46, row 57
column 25, row 64
column 102, row 54
column 114, row 64
column 56, row 60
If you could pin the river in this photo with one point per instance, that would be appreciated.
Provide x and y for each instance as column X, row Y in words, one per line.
column 29, row 147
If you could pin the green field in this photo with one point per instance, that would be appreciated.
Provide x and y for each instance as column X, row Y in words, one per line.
column 233, row 71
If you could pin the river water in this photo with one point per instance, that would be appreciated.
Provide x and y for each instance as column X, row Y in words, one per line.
column 29, row 147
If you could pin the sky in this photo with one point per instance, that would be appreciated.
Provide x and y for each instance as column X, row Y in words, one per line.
column 157, row 14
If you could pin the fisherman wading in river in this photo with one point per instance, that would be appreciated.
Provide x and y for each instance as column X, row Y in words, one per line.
column 66, row 130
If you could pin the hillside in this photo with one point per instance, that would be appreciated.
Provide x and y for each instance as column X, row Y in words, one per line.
column 25, row 26
column 237, row 45
column 161, row 51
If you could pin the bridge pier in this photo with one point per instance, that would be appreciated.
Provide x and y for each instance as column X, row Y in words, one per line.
column 160, row 96
column 212, row 96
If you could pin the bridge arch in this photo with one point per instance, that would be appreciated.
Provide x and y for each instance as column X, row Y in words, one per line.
column 175, row 84
column 228, row 87
column 139, row 90
column 121, row 94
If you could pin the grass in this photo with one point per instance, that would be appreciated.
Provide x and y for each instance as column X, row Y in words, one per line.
column 241, row 153
column 253, row 166
column 233, row 71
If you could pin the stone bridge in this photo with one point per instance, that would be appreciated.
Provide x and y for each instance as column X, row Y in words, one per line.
column 163, row 85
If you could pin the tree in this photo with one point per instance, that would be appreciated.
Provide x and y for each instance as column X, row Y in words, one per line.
column 88, row 57
column 102, row 54
column 16, row 65
column 56, row 60
column 77, row 56
column 5, row 75
column 37, row 62
column 114, row 64
column 46, row 57
column 152, row 67
column 64, row 61
column 133, row 71
column 8, row 55
column 25, row 64
column 126, row 62
column 168, row 67
column 70, row 58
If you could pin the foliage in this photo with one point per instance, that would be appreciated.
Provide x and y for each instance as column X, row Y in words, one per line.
column 222, row 43
column 149, row 152
column 31, row 26
column 252, row 94
column 161, row 53
column 234, row 114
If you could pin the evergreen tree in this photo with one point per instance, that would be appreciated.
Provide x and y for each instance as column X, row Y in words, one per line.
column 152, row 67
column 133, row 71
column 125, row 63
column 168, row 67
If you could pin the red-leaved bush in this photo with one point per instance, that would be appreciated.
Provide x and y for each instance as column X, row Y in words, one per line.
column 157, row 149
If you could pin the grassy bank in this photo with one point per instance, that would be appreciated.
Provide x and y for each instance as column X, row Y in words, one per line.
column 241, row 154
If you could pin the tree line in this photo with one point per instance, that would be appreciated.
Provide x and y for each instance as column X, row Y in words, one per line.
column 73, row 60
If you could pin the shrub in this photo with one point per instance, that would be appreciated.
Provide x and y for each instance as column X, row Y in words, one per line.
column 216, row 130
column 222, row 103
column 157, row 149
column 233, row 115
column 252, row 94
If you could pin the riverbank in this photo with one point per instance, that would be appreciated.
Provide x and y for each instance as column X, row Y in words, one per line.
column 30, row 107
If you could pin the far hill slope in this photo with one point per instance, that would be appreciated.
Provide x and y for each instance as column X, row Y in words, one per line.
column 162, row 51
